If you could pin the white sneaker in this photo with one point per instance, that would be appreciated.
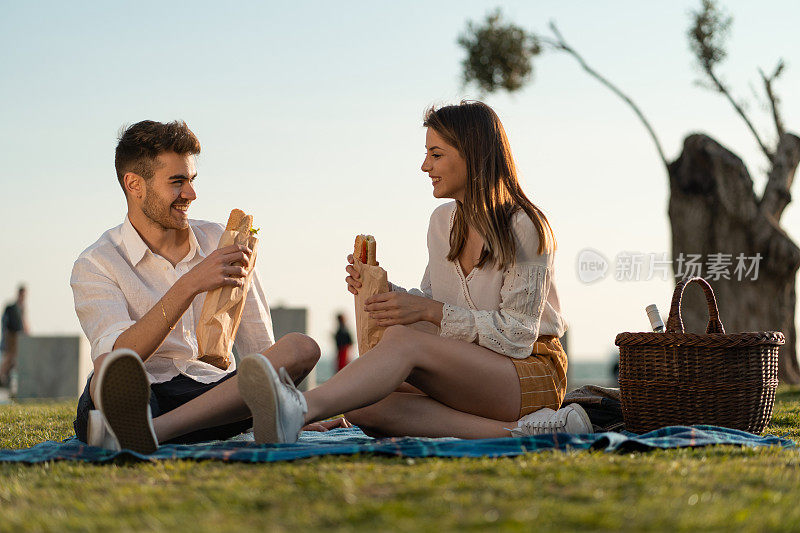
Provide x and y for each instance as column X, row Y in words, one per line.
column 275, row 403
column 570, row 419
column 122, row 395
column 99, row 434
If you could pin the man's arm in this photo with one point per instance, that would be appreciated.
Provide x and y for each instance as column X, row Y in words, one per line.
column 103, row 312
column 146, row 335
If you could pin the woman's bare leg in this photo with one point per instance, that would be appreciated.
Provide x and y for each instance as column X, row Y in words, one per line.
column 415, row 415
column 463, row 376
column 223, row 404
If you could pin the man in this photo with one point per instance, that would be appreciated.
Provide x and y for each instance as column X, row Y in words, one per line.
column 139, row 291
column 13, row 325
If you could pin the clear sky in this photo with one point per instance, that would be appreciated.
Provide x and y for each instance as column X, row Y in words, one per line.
column 309, row 114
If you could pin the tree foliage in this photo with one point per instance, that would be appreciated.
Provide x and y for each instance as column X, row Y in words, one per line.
column 707, row 38
column 498, row 54
column 708, row 33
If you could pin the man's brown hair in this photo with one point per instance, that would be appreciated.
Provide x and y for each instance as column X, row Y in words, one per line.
column 140, row 144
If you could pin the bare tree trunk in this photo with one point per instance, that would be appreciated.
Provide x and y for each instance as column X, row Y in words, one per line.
column 713, row 209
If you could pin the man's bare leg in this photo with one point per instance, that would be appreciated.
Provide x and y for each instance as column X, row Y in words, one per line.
column 9, row 357
column 222, row 404
column 5, row 367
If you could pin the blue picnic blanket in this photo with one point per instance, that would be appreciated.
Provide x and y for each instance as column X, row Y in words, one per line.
column 352, row 441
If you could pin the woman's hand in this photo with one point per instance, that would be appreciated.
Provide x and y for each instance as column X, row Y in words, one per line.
column 392, row 308
column 352, row 279
column 326, row 425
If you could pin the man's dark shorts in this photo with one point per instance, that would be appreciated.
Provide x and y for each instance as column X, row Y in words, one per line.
column 165, row 397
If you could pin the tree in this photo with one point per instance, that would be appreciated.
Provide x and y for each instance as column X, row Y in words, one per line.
column 713, row 208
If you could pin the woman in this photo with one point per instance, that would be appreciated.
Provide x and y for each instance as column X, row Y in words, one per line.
column 488, row 288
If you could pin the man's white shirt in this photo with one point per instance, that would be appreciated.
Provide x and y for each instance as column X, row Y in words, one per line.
column 118, row 279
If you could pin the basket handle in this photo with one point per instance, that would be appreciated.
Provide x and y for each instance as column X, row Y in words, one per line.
column 675, row 322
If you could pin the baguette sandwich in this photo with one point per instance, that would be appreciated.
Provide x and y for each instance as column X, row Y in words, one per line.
column 364, row 251
column 239, row 221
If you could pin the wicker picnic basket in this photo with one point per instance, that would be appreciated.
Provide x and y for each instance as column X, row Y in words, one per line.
column 677, row 378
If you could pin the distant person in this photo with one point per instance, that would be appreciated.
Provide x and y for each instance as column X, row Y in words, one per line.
column 495, row 361
column 13, row 325
column 139, row 291
column 343, row 343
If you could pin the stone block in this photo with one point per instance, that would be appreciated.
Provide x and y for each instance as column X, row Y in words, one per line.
column 288, row 320
column 52, row 366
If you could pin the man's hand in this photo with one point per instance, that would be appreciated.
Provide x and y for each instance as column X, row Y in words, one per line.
column 224, row 267
column 392, row 308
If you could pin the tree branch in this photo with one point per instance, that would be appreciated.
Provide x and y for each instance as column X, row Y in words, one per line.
column 773, row 99
column 561, row 44
column 724, row 90
column 776, row 194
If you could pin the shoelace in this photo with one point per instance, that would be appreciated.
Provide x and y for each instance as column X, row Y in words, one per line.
column 548, row 424
column 552, row 423
column 296, row 394
column 528, row 427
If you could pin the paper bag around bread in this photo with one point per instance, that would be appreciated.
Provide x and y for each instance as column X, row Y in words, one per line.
column 223, row 307
column 373, row 281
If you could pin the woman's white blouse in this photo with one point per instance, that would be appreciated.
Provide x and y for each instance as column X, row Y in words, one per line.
column 502, row 310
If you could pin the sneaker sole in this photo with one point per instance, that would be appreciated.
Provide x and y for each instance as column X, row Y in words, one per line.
column 125, row 397
column 257, row 388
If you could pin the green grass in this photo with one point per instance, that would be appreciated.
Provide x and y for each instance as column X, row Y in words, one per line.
column 716, row 488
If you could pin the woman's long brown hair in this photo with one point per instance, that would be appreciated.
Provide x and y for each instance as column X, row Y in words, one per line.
column 493, row 193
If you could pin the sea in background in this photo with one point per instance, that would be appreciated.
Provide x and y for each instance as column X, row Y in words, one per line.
column 590, row 372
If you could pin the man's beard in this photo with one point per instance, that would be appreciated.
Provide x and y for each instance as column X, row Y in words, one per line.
column 160, row 212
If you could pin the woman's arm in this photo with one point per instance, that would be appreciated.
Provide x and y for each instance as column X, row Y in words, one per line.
column 393, row 308
column 424, row 290
column 513, row 329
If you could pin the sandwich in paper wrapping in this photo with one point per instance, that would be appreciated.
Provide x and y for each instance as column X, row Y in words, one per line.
column 222, row 310
column 373, row 281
